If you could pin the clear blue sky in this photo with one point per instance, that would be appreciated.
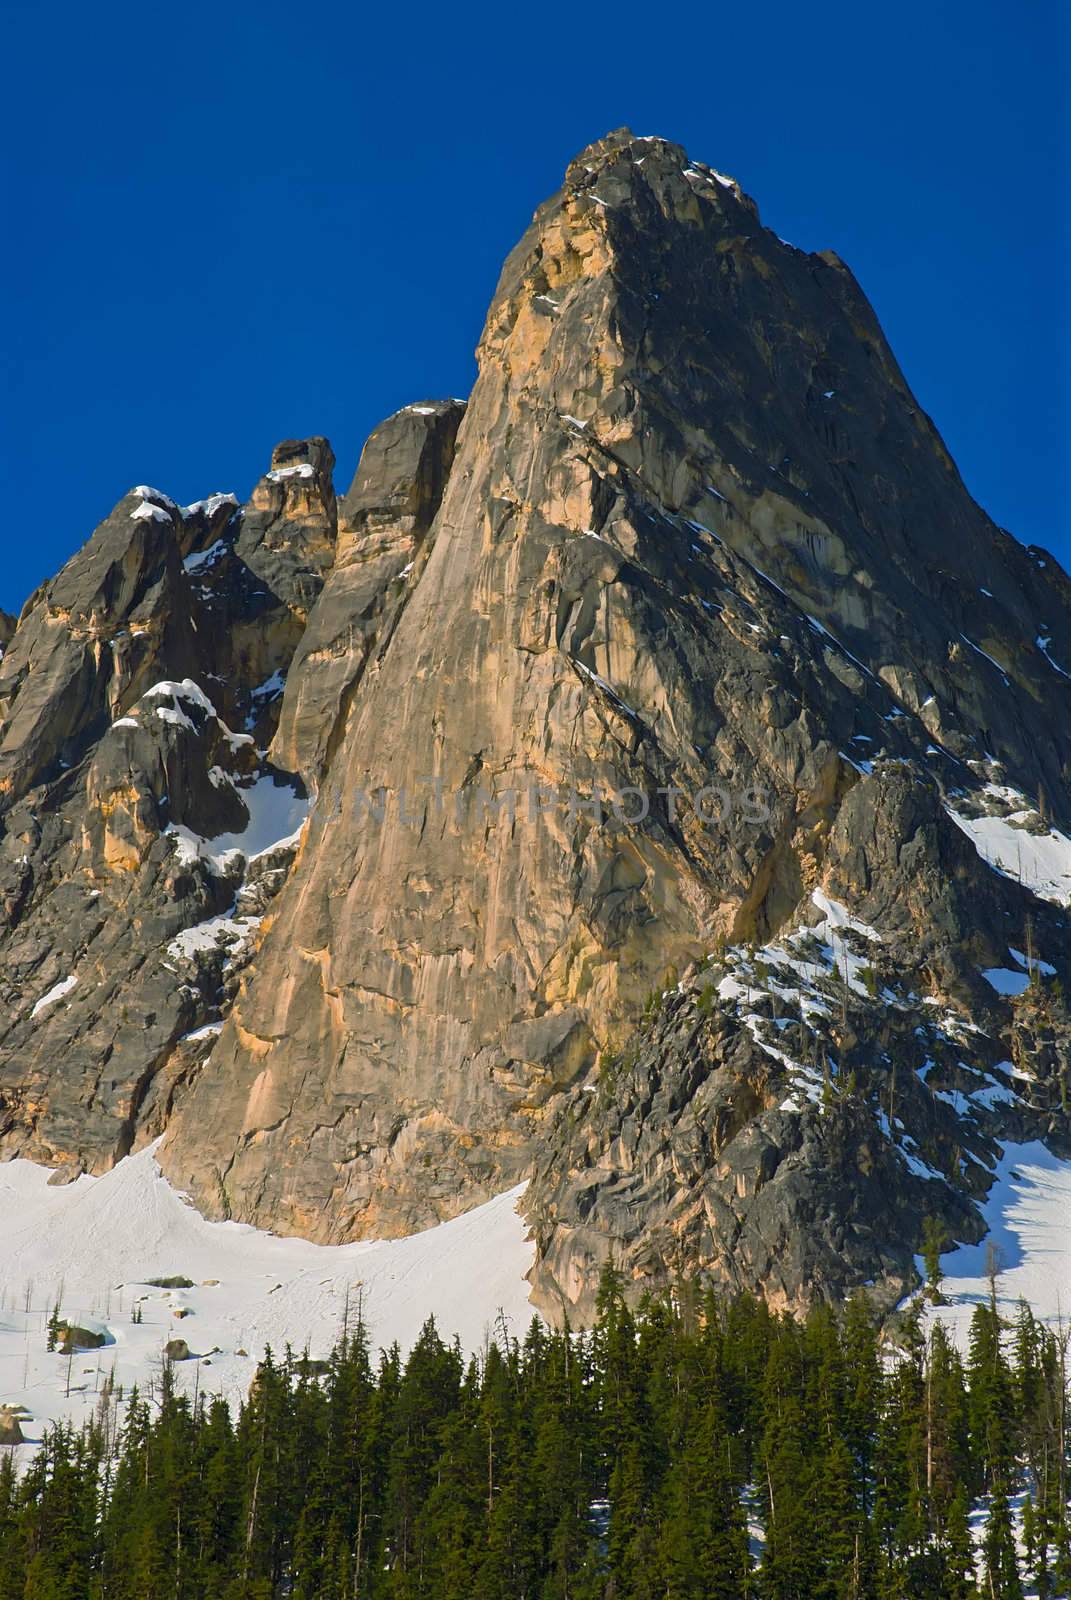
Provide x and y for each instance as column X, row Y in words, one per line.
column 237, row 222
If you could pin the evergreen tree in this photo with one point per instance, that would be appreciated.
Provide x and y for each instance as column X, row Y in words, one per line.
column 991, row 1401
column 934, row 1241
column 958, row 1549
column 791, row 1564
column 1001, row 1565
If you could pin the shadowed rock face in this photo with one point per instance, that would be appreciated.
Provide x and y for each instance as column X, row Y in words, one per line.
column 691, row 538
column 86, row 641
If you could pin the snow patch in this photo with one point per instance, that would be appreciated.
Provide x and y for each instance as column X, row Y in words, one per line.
column 262, row 695
column 277, row 811
column 233, row 934
column 1040, row 862
column 1004, row 981
column 1043, row 641
column 835, row 914
column 607, row 689
column 1033, row 963
column 270, row 687
column 148, row 512
column 210, row 505
column 205, row 558
column 211, row 1030
column 803, row 969
column 184, row 690
column 178, row 719
column 821, row 629
column 57, row 992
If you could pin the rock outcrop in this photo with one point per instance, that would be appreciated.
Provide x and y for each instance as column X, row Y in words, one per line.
column 690, row 761
column 135, row 858
column 10, row 1431
column 382, row 524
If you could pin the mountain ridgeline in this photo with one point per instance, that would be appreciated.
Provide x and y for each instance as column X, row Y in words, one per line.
column 650, row 780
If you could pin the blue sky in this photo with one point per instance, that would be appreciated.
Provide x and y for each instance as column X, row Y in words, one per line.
column 234, row 223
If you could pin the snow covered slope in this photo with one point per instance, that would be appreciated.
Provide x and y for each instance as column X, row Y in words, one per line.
column 1019, row 846
column 1029, row 1214
column 92, row 1246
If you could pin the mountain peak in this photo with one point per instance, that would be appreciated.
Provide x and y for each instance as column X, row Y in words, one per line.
column 649, row 156
column 692, row 823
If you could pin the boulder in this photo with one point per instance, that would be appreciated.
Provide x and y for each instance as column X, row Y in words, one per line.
column 72, row 1337
column 10, row 1431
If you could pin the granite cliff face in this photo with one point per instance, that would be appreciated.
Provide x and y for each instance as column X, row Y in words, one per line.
column 689, row 758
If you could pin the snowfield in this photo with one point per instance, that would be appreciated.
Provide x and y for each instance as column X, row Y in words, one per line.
column 91, row 1246
column 1029, row 1215
column 1041, row 862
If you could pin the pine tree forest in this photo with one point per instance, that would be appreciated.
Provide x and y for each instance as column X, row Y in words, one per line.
column 702, row 1449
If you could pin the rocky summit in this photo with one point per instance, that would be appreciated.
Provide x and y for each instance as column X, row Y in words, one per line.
column 651, row 779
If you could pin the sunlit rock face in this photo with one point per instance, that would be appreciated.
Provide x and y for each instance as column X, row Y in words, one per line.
column 689, row 758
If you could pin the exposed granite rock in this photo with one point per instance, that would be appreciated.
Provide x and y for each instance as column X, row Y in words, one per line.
column 692, row 541
column 94, row 638
column 790, row 1114
column 697, row 534
column 382, row 524
column 289, row 528
column 72, row 1338
column 129, row 905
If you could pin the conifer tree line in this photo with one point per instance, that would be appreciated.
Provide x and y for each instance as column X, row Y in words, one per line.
column 702, row 1449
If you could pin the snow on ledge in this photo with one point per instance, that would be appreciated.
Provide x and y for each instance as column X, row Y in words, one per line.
column 1005, row 981
column 57, row 992
column 1041, row 862
column 148, row 512
column 184, row 690
column 155, row 505
column 277, row 813
column 210, row 504
column 205, row 558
